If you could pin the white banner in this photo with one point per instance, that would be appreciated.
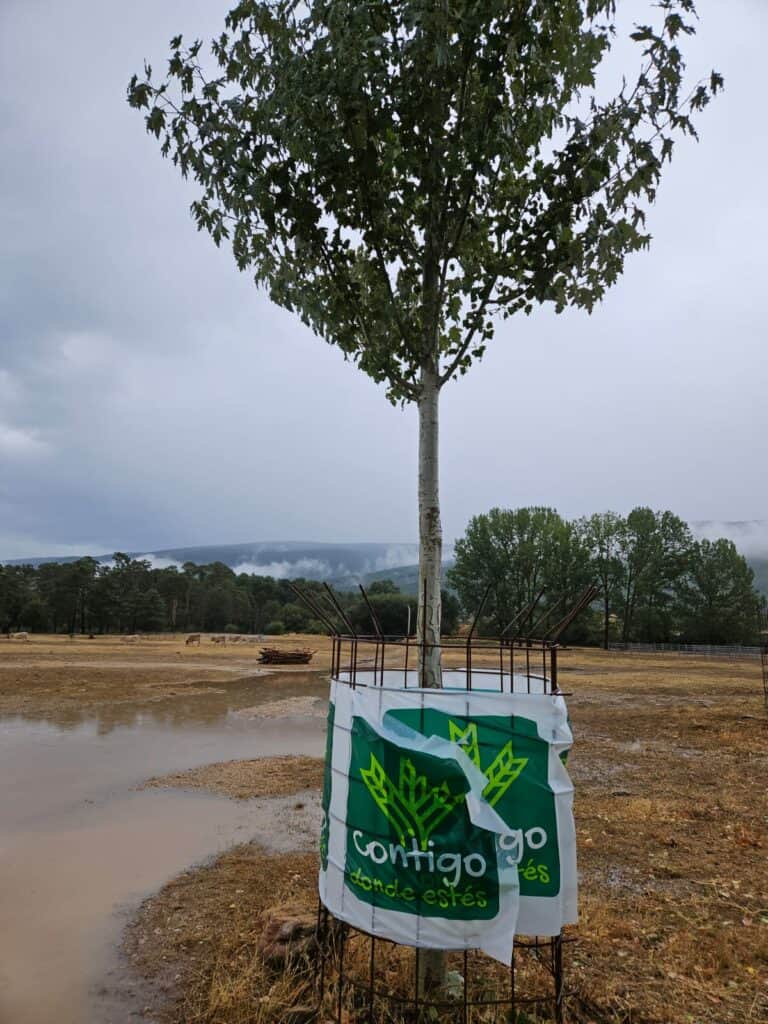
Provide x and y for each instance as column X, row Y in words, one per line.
column 448, row 816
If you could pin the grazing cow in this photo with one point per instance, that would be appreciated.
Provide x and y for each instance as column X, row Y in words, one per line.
column 19, row 636
column 218, row 639
column 193, row 638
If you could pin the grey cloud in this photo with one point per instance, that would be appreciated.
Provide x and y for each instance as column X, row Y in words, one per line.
column 150, row 397
column 751, row 538
column 309, row 567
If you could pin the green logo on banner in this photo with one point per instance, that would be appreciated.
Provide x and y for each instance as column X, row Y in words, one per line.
column 411, row 846
column 515, row 760
column 413, row 805
column 501, row 772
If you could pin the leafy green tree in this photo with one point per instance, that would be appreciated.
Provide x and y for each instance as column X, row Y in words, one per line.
column 34, row 615
column 172, row 586
column 392, row 610
column 79, row 578
column 603, row 533
column 191, row 588
column 518, row 552
column 382, row 587
column 451, row 608
column 151, row 611
column 718, row 602
column 568, row 571
column 16, row 593
column 655, row 548
column 53, row 591
column 295, row 617
column 66, row 591
column 399, row 173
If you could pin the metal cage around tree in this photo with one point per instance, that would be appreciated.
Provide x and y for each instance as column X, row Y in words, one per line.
column 365, row 979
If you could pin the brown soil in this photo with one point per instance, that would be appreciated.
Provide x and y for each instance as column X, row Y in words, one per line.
column 50, row 674
column 193, row 943
column 670, row 763
column 243, row 780
column 288, row 707
column 670, row 766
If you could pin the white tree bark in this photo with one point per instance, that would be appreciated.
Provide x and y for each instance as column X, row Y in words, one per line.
column 432, row 962
column 430, row 531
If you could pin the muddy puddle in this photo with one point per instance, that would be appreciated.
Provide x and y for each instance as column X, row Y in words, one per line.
column 80, row 845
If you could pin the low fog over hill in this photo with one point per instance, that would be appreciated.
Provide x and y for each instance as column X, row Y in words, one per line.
column 749, row 535
column 341, row 564
column 345, row 565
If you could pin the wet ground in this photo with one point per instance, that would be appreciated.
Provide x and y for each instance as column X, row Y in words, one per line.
column 81, row 845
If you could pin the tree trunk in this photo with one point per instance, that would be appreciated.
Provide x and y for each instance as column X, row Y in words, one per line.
column 430, row 532
column 432, row 962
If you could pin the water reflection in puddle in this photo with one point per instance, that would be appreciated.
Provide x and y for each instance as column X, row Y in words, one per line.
column 78, row 841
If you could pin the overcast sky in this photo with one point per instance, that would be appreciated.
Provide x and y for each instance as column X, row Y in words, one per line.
column 150, row 396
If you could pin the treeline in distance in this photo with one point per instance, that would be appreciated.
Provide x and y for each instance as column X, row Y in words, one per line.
column 129, row 596
column 655, row 584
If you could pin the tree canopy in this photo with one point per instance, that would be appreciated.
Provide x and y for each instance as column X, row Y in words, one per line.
column 656, row 584
column 399, row 172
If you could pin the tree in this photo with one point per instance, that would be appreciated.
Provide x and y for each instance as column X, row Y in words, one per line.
column 127, row 579
column 80, row 579
column 391, row 609
column 567, row 573
column 151, row 612
column 522, row 554
column 172, row 586
column 383, row 587
column 602, row 533
column 399, row 173
column 718, row 600
column 518, row 553
column 16, row 593
column 655, row 548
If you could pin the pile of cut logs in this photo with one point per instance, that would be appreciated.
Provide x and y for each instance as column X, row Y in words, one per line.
column 297, row 656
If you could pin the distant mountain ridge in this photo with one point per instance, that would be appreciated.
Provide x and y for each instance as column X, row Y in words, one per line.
column 346, row 565
column 340, row 564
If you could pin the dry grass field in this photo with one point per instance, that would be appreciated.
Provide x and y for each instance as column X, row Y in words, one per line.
column 53, row 674
column 670, row 765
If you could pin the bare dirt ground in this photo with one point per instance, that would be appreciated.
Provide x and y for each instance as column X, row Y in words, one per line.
column 50, row 674
column 244, row 780
column 670, row 765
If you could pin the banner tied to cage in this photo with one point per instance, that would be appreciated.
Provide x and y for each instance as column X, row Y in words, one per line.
column 447, row 816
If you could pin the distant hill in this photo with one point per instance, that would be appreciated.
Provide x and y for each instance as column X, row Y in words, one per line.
column 346, row 565
column 405, row 577
column 341, row 564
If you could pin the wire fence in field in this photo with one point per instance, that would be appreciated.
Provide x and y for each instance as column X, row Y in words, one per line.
column 708, row 650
